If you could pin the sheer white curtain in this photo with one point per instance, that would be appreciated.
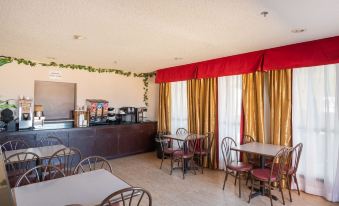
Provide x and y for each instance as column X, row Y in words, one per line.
column 316, row 125
column 229, row 109
column 179, row 114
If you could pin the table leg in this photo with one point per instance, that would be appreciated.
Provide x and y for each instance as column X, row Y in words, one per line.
column 185, row 163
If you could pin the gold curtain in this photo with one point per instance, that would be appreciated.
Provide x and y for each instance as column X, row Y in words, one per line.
column 164, row 108
column 202, row 105
column 280, row 98
column 253, row 105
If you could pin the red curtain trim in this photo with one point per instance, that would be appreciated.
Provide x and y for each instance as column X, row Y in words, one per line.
column 312, row 53
column 232, row 65
column 178, row 73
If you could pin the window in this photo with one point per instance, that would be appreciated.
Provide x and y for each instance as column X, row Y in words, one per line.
column 229, row 110
column 179, row 115
column 316, row 125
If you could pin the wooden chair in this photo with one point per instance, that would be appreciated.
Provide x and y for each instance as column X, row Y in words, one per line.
column 127, row 195
column 204, row 149
column 181, row 131
column 186, row 154
column 166, row 148
column 92, row 163
column 251, row 158
column 39, row 174
column 232, row 165
column 14, row 145
column 273, row 175
column 50, row 141
column 66, row 159
column 19, row 163
column 293, row 163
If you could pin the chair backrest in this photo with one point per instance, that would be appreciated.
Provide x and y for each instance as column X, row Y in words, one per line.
column 129, row 196
column 226, row 145
column 163, row 141
column 67, row 159
column 6, row 195
column 92, row 163
column 191, row 143
column 18, row 163
column 181, row 131
column 248, row 139
column 210, row 140
column 280, row 160
column 14, row 145
column 294, row 157
column 49, row 141
column 39, row 174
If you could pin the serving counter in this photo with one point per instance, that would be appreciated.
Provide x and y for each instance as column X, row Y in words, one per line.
column 109, row 141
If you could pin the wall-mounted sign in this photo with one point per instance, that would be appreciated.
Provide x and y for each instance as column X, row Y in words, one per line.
column 54, row 74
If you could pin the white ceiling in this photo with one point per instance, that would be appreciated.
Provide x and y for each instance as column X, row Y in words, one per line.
column 145, row 35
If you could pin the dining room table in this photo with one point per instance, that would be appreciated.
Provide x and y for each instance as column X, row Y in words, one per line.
column 44, row 152
column 85, row 189
column 264, row 151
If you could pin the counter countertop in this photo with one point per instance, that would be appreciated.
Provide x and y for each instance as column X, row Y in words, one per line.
column 75, row 128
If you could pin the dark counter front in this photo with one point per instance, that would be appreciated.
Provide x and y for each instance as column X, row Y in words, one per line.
column 109, row 141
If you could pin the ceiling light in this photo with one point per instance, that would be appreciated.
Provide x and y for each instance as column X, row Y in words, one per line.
column 78, row 37
column 264, row 13
column 298, row 30
column 178, row 58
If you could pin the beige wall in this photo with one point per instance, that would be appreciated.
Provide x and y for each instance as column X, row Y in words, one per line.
column 16, row 80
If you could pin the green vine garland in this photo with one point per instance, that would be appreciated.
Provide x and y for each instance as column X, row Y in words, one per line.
column 146, row 76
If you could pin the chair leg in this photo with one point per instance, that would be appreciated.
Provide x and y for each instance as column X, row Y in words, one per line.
column 248, row 177
column 235, row 179
column 225, row 179
column 239, row 185
column 296, row 182
column 282, row 194
column 162, row 160
column 171, row 164
column 269, row 193
column 250, row 196
column 194, row 165
column 202, row 164
column 183, row 168
column 288, row 179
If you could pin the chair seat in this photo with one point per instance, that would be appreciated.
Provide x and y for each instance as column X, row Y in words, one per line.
column 263, row 175
column 182, row 154
column 169, row 150
column 240, row 166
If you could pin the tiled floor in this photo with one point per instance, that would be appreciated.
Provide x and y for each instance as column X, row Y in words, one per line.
column 196, row 190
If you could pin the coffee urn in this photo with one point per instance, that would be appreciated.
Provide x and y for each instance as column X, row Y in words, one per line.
column 25, row 113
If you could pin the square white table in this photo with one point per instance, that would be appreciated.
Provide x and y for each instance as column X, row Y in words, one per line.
column 182, row 137
column 266, row 150
column 86, row 189
column 43, row 152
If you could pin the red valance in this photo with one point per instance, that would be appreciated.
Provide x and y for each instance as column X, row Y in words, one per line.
column 178, row 73
column 232, row 65
column 312, row 53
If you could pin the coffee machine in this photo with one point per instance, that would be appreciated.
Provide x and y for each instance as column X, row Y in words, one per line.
column 39, row 118
column 25, row 113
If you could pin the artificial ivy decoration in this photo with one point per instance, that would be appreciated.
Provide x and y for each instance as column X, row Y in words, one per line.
column 146, row 76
